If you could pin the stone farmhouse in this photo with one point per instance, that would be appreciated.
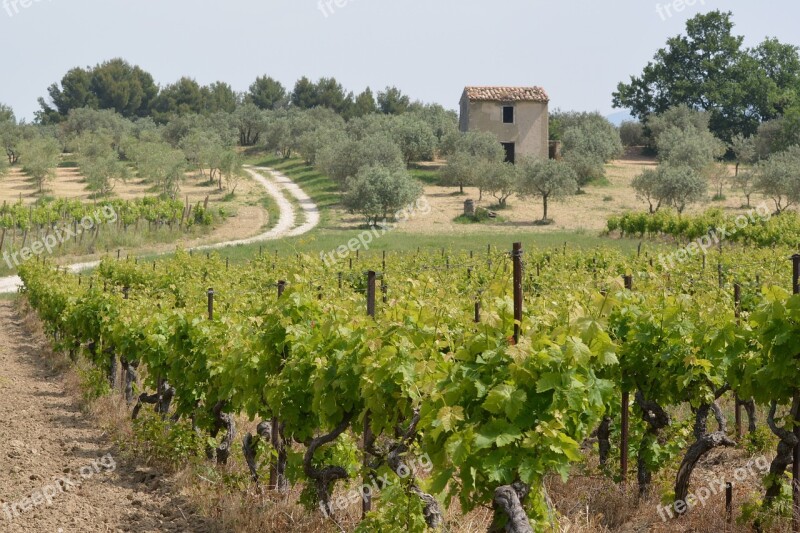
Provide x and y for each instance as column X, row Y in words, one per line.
column 518, row 116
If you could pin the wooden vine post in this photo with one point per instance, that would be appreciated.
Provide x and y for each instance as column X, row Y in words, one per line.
column 737, row 310
column 625, row 414
column 366, row 502
column 276, row 470
column 516, row 256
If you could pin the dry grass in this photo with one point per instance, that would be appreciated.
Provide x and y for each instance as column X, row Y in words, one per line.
column 584, row 212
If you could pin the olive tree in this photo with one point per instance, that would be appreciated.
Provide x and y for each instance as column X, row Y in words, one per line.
column 250, row 122
column 547, row 179
column 463, row 170
column 311, row 143
column 779, row 178
column 676, row 186
column 204, row 150
column 672, row 185
column 746, row 182
column 589, row 141
column 745, row 151
column 689, row 147
column 500, row 179
column 681, row 116
column 442, row 121
column 12, row 137
column 377, row 192
column 414, row 137
column 160, row 164
column 343, row 159
column 646, row 187
column 591, row 133
column 100, row 164
column 40, row 160
column 718, row 175
column 588, row 167
column 231, row 170
column 681, row 186
column 106, row 122
column 780, row 133
column 467, row 153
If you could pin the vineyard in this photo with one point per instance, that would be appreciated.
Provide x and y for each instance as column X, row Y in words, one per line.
column 756, row 227
column 77, row 225
column 463, row 378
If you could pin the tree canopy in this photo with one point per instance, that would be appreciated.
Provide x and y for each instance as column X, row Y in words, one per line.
column 377, row 192
column 40, row 160
column 779, row 178
column 115, row 84
column 267, row 93
column 589, row 141
column 709, row 69
column 670, row 185
column 547, row 179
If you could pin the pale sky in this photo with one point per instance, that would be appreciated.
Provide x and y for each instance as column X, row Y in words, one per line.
column 578, row 50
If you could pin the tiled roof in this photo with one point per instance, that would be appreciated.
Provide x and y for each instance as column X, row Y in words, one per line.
column 506, row 94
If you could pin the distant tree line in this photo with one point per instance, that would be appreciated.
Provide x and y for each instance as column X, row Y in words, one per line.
column 131, row 91
column 119, row 125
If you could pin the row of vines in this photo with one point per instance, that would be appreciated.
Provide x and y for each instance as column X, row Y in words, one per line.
column 85, row 221
column 353, row 374
column 757, row 226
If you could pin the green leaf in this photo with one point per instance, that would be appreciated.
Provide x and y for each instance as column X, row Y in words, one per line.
column 500, row 432
column 498, row 398
column 548, row 381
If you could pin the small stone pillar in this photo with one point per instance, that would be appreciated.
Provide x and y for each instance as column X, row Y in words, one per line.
column 469, row 208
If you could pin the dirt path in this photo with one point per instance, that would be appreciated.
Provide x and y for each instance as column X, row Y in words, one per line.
column 51, row 452
column 287, row 225
column 308, row 206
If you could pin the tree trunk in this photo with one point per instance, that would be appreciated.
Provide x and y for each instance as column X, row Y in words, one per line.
column 656, row 419
column 130, row 378
column 165, row 395
column 263, row 432
column 143, row 399
column 704, row 443
column 603, row 440
column 394, row 456
column 223, row 421
column 326, row 477
column 509, row 513
column 784, row 457
column 750, row 408
column 544, row 202
column 277, row 472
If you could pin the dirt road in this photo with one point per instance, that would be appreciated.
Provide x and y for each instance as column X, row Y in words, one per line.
column 58, row 472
